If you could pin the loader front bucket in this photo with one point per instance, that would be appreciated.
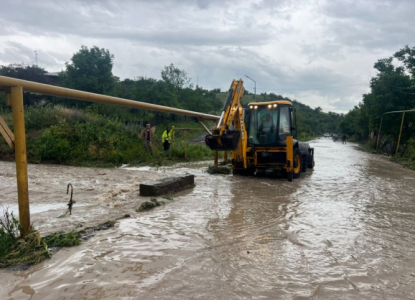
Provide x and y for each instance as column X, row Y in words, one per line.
column 229, row 140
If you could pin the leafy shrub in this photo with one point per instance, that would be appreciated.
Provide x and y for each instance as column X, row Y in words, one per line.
column 62, row 239
column 9, row 231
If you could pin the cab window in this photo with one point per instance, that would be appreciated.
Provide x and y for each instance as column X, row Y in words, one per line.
column 284, row 126
column 263, row 126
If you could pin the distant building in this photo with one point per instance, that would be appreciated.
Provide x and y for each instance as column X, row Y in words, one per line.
column 52, row 77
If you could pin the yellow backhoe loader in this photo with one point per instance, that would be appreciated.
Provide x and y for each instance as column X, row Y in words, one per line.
column 260, row 136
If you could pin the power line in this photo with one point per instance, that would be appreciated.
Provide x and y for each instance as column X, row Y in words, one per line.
column 316, row 88
column 406, row 93
column 404, row 88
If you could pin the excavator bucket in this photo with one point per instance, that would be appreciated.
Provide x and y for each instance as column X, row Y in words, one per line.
column 229, row 141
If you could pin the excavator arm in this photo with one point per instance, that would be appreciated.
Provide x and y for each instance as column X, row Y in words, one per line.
column 224, row 137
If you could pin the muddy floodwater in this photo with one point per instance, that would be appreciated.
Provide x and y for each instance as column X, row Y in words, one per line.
column 343, row 231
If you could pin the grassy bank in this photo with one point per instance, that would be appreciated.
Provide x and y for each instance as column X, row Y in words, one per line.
column 406, row 154
column 404, row 157
column 86, row 138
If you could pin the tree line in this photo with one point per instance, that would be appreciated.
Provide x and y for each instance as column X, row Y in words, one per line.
column 90, row 69
column 391, row 89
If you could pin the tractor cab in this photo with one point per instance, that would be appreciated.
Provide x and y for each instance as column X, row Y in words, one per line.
column 269, row 123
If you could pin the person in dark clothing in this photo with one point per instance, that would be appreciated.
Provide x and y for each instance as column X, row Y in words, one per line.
column 147, row 136
column 344, row 139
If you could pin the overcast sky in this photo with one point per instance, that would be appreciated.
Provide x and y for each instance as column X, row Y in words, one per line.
column 320, row 53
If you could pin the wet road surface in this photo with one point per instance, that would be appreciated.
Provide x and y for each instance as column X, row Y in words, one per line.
column 343, row 231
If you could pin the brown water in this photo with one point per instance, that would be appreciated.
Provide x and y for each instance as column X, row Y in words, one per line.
column 343, row 231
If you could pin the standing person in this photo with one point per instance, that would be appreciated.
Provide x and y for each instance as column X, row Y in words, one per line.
column 344, row 139
column 147, row 136
column 166, row 138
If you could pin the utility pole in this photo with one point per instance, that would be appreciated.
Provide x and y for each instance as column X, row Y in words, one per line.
column 36, row 58
column 254, row 88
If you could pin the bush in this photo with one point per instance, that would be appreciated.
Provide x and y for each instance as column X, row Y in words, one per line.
column 85, row 138
column 62, row 239
column 19, row 251
column 9, row 231
column 147, row 205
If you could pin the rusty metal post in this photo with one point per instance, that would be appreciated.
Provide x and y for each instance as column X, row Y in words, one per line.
column 16, row 98
column 173, row 138
column 216, row 158
column 400, row 133
column 8, row 99
column 185, row 152
column 378, row 136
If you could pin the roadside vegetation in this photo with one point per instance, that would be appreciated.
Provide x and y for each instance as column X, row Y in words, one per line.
column 24, row 252
column 85, row 138
column 66, row 131
column 392, row 89
column 15, row 250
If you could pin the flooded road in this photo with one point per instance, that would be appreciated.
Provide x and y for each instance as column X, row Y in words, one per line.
column 343, row 231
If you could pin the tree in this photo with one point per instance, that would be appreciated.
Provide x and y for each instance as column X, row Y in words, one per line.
column 407, row 56
column 392, row 89
column 175, row 77
column 90, row 70
column 25, row 72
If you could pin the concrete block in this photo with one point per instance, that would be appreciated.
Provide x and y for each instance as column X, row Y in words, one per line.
column 168, row 185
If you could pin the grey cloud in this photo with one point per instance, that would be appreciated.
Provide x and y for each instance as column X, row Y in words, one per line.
column 219, row 40
column 371, row 23
column 326, row 51
column 130, row 22
column 19, row 53
column 217, row 67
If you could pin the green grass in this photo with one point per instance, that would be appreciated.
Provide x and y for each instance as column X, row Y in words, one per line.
column 147, row 205
column 28, row 250
column 406, row 154
column 19, row 251
column 62, row 239
column 9, row 231
column 81, row 138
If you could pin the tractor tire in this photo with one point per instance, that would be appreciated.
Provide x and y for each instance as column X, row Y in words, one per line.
column 304, row 163
column 297, row 163
column 310, row 163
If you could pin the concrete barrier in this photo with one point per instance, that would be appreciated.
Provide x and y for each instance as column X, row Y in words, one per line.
column 167, row 185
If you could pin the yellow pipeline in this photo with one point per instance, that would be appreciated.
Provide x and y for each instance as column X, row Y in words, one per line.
column 21, row 157
column 51, row 90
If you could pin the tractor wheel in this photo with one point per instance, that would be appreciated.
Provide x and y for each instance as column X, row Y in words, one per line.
column 298, row 163
column 304, row 163
column 310, row 164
